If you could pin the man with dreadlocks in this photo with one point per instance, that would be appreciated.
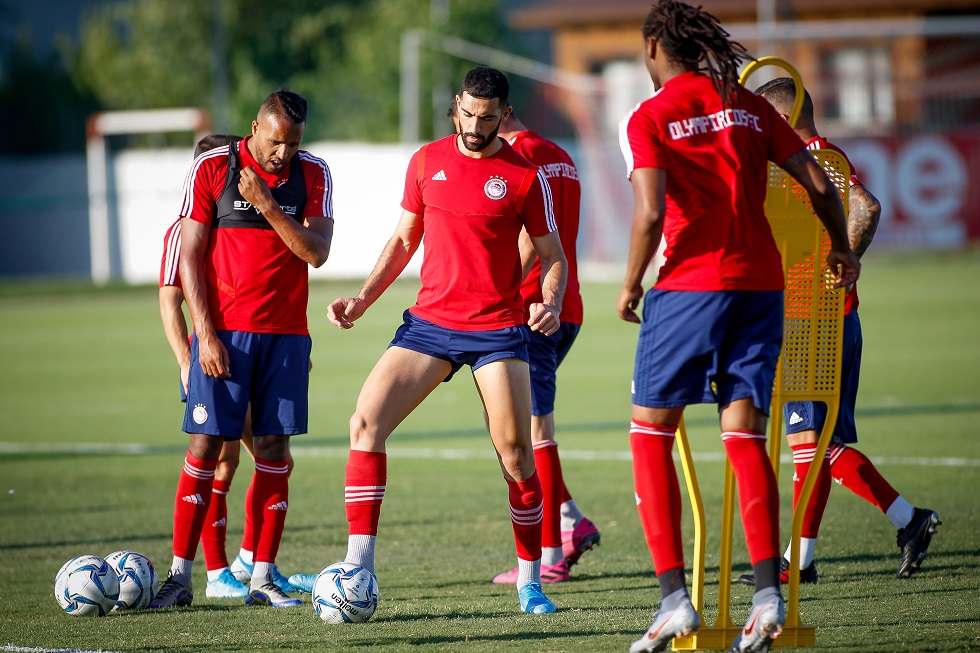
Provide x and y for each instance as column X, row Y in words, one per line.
column 696, row 156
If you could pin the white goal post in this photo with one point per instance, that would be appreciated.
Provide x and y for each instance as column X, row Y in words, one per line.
column 109, row 123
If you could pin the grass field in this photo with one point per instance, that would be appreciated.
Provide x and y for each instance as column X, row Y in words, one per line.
column 90, row 450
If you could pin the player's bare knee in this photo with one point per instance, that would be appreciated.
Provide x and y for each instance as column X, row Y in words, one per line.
column 364, row 435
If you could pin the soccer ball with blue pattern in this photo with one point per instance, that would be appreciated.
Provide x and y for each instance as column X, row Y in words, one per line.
column 137, row 579
column 87, row 586
column 345, row 593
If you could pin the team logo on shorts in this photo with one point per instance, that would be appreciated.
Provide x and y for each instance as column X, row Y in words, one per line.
column 495, row 188
column 199, row 414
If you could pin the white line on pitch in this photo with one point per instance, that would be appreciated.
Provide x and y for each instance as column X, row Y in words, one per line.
column 33, row 649
column 440, row 453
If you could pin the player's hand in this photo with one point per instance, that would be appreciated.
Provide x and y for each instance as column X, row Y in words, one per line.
column 344, row 310
column 544, row 318
column 213, row 357
column 844, row 266
column 254, row 189
column 627, row 303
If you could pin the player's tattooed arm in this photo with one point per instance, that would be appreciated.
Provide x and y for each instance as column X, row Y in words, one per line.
column 863, row 213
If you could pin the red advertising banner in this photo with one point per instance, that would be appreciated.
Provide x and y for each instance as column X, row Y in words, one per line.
column 928, row 186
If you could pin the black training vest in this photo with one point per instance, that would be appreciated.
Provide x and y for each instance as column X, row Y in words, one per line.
column 232, row 210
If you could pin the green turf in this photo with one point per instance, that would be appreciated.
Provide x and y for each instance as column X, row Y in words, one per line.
column 85, row 367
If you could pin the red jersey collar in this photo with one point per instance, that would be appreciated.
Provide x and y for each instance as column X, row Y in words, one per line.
column 248, row 160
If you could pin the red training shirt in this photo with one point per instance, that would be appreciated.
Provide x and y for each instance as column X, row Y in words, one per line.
column 169, row 264
column 253, row 281
column 566, row 195
column 715, row 157
column 472, row 213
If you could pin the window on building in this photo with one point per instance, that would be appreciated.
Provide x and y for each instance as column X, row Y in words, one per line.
column 863, row 94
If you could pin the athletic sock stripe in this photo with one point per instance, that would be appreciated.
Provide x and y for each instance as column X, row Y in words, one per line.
column 544, row 444
column 273, row 468
column 742, row 435
column 644, row 429
column 352, row 488
column 197, row 472
column 804, row 455
column 217, row 491
column 835, row 451
column 527, row 517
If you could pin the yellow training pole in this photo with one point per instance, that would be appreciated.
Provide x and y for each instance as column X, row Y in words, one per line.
column 808, row 369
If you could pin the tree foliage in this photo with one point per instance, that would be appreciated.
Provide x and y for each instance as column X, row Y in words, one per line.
column 343, row 55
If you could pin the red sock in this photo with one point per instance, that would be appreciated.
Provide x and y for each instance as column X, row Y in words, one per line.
column 270, row 501
column 802, row 460
column 565, row 494
column 366, row 475
column 191, row 504
column 526, row 511
column 853, row 470
column 758, row 495
column 549, row 471
column 658, row 495
column 216, row 527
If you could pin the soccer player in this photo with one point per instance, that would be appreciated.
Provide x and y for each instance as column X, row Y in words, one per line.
column 566, row 532
column 224, row 581
column 469, row 195
column 697, row 157
column 253, row 218
column 805, row 420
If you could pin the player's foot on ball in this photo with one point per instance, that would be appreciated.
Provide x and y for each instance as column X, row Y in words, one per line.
column 579, row 540
column 270, row 595
column 242, row 570
column 303, row 582
column 914, row 540
column 766, row 621
column 808, row 576
column 226, row 586
column 668, row 624
column 175, row 592
column 549, row 574
column 533, row 600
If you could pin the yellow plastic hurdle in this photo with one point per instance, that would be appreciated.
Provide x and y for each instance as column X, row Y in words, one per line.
column 808, row 370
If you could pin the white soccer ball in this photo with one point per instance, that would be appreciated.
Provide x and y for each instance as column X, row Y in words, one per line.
column 345, row 593
column 137, row 579
column 86, row 586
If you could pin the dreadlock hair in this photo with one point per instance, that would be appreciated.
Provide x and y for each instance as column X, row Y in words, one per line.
column 690, row 36
column 781, row 93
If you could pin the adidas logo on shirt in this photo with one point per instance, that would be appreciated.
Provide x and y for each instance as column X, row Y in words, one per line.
column 196, row 499
column 795, row 419
column 439, row 176
column 282, row 505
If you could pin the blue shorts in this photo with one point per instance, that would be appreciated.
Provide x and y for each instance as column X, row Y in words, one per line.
column 809, row 415
column 546, row 354
column 707, row 347
column 267, row 369
column 473, row 348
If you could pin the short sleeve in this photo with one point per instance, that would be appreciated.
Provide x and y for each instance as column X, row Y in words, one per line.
column 412, row 197
column 319, row 186
column 170, row 262
column 640, row 141
column 538, row 210
column 203, row 186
